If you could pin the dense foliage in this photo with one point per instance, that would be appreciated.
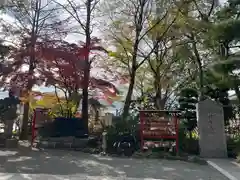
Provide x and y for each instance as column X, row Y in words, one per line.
column 187, row 106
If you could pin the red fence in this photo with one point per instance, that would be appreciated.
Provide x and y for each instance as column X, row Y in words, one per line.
column 157, row 126
column 40, row 116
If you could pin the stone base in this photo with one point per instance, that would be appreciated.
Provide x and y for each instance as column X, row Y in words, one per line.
column 11, row 143
column 216, row 153
column 63, row 143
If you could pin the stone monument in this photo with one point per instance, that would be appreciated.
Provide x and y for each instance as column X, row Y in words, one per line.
column 212, row 139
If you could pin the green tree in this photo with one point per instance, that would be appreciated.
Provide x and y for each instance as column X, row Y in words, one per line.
column 194, row 23
column 129, row 34
column 188, row 98
column 224, row 41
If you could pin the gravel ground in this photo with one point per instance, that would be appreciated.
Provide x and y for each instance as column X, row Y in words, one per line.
column 63, row 165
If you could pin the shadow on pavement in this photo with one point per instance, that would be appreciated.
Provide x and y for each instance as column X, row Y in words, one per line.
column 54, row 162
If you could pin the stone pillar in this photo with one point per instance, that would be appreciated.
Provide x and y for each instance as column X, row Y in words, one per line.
column 108, row 119
column 212, row 139
column 104, row 142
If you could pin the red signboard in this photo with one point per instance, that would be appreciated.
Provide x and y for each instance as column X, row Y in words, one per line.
column 158, row 125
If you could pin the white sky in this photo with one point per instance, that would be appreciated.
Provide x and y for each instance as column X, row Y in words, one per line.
column 222, row 1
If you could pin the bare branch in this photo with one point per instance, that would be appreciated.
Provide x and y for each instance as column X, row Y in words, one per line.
column 73, row 14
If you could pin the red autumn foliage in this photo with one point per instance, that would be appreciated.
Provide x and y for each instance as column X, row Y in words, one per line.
column 12, row 73
column 55, row 63
column 66, row 64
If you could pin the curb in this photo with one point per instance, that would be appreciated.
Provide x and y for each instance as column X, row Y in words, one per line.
column 222, row 171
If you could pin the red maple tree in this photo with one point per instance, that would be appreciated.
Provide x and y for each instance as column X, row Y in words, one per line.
column 15, row 71
column 64, row 64
column 56, row 63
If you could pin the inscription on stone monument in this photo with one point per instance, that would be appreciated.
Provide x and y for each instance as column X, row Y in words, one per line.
column 210, row 117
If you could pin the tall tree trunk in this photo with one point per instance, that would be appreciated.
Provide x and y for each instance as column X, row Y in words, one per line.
column 87, row 66
column 85, row 98
column 159, row 102
column 138, row 19
column 158, row 95
column 132, row 77
column 201, row 96
column 34, row 31
column 24, row 128
column 200, row 69
column 138, row 22
column 129, row 96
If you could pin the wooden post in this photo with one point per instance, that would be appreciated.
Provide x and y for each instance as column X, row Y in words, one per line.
column 33, row 127
column 177, row 133
column 104, row 142
column 142, row 128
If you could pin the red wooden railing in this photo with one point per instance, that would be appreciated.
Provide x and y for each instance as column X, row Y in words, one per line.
column 40, row 116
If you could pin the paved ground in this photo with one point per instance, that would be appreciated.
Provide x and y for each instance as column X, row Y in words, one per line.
column 63, row 165
column 229, row 167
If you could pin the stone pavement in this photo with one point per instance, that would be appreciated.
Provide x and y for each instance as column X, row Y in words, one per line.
column 73, row 165
column 228, row 167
